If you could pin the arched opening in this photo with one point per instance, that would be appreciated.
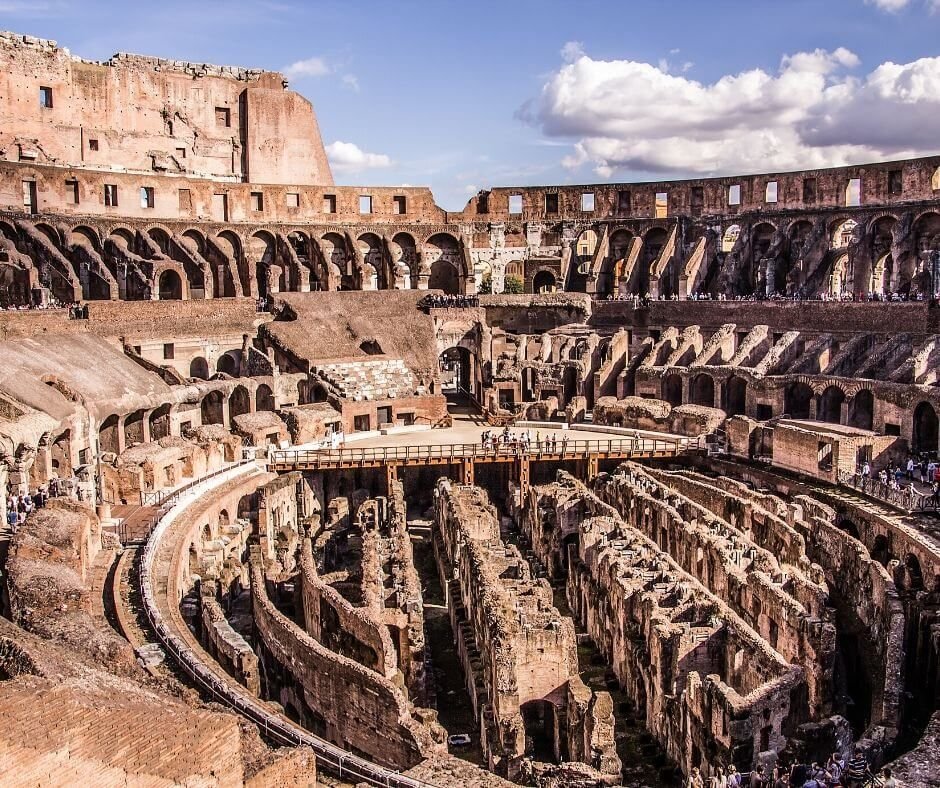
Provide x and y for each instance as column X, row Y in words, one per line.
column 264, row 398
column 538, row 716
column 702, row 391
column 881, row 550
column 134, row 428
column 653, row 243
column 229, row 247
column 261, row 250
column 672, row 389
column 924, row 433
column 199, row 368
column 228, row 363
column 842, row 234
column 580, row 265
column 544, row 282
column 830, row 405
column 337, row 260
column 613, row 267
column 764, row 254
column 160, row 422
column 404, row 253
column 444, row 277
column 456, row 365
column 837, row 281
column 730, row 237
column 170, row 286
column 735, row 396
column 862, row 410
column 881, row 275
column 108, row 434
column 239, row 402
column 848, row 526
column 370, row 245
column 161, row 238
column 796, row 400
column 60, row 455
column 212, row 409
column 789, row 269
column 914, row 577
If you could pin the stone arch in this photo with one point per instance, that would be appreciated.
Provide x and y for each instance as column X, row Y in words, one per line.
column 211, row 408
column 199, row 368
column 653, row 242
column 580, row 265
column 161, row 238
column 261, row 248
column 837, row 278
column 337, row 259
column 302, row 245
column 797, row 397
column 264, row 397
column 672, row 389
column 702, row 390
column 444, row 276
column 829, row 408
column 881, row 550
column 924, row 430
column 239, row 402
column 373, row 256
column 862, row 409
column 170, row 285
column 735, row 396
column 842, row 233
column 229, row 363
column 405, row 249
column 229, row 246
column 89, row 235
column 160, row 422
column 613, row 265
column 913, row 574
column 544, row 282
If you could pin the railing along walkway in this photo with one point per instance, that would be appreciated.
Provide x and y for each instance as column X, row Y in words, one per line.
column 902, row 497
column 431, row 454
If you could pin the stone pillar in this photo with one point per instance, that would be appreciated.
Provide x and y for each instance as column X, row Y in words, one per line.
column 467, row 471
column 391, row 476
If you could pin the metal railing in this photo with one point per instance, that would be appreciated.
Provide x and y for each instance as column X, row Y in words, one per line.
column 161, row 497
column 223, row 689
column 456, row 452
column 902, row 497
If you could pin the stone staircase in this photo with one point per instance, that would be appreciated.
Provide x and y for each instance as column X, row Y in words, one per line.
column 370, row 380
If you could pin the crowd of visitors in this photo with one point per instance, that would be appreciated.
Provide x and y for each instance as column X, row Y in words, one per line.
column 442, row 301
column 20, row 506
column 646, row 300
column 904, row 477
column 836, row 772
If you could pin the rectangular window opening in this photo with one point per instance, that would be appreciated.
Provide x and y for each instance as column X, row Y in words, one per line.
column 146, row 197
column 515, row 204
column 223, row 116
column 92, row 144
column 809, row 190
column 293, row 200
column 483, row 202
column 185, row 200
column 624, row 203
column 169, row 352
column 399, row 204
column 329, row 203
column 45, row 97
column 853, row 193
column 110, row 195
column 551, row 202
column 662, row 205
column 734, row 194
column 181, row 153
column 365, row 204
column 895, row 182
column 30, row 201
column 770, row 193
column 257, row 201
column 220, row 207
column 71, row 192
column 587, row 201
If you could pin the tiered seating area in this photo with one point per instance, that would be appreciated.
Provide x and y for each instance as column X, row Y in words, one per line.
column 386, row 378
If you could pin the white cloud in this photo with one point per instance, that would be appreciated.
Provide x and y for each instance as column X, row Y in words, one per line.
column 622, row 114
column 349, row 157
column 892, row 6
column 571, row 51
column 351, row 81
column 311, row 67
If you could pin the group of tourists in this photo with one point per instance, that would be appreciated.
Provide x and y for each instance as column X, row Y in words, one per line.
column 441, row 301
column 21, row 506
column 901, row 477
column 836, row 772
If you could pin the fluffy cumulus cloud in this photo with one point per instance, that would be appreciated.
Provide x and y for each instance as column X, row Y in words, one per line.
column 893, row 6
column 311, row 67
column 349, row 157
column 813, row 111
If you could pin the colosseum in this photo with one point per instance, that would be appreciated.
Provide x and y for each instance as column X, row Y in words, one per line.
column 295, row 494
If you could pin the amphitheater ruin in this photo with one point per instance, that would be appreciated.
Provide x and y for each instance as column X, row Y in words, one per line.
column 292, row 491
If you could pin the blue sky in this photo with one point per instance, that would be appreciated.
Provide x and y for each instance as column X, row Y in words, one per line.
column 462, row 96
